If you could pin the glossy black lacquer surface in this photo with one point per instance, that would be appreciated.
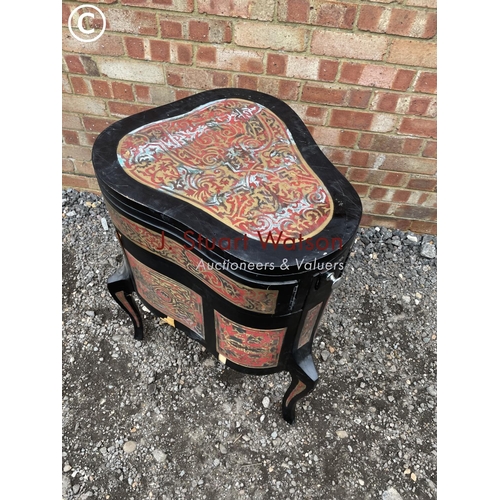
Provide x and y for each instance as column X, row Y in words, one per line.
column 301, row 291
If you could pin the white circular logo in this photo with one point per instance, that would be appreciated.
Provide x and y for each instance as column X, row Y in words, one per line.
column 89, row 34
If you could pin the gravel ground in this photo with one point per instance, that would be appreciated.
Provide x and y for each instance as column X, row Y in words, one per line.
column 163, row 419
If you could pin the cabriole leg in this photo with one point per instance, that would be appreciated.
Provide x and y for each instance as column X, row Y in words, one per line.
column 120, row 286
column 304, row 378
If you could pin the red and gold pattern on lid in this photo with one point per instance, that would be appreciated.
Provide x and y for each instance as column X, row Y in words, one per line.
column 235, row 160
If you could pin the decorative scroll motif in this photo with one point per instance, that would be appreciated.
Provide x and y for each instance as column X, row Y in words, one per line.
column 296, row 391
column 168, row 296
column 308, row 327
column 250, row 347
column 251, row 299
column 236, row 160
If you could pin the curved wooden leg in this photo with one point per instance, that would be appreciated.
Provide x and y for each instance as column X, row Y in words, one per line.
column 120, row 286
column 304, row 378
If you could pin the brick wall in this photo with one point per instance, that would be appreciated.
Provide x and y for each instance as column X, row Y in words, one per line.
column 360, row 73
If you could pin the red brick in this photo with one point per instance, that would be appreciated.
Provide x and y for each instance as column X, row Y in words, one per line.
column 401, row 21
column 160, row 50
column 421, row 227
column 361, row 189
column 71, row 137
column 375, row 75
column 276, row 64
column 380, row 193
column 79, row 85
column 71, row 122
column 66, row 86
column 426, row 82
column 221, row 80
column 130, row 21
column 197, row 78
column 142, row 92
column 74, row 64
column 369, row 17
column 175, row 5
column 77, row 152
column 414, row 212
column 394, row 21
column 390, row 222
column 102, row 1
column 239, row 60
column 66, row 12
column 288, row 90
column 206, row 54
column 91, row 138
column 351, row 72
column 171, row 29
column 350, row 45
column 412, row 146
column 422, row 183
column 315, row 113
column 418, row 126
column 327, row 70
column 358, row 98
column 336, row 15
column 347, row 138
column 135, row 47
column 296, row 11
column 270, row 36
column 409, row 164
column 401, row 196
column 125, row 109
column 412, row 53
column 323, row 95
column 84, row 168
column 174, row 79
column 327, row 136
column 75, row 181
column 247, row 82
column 181, row 94
column 106, row 45
column 100, row 88
column 96, row 124
column 394, row 179
column 358, row 174
column 403, row 79
column 68, row 165
column 431, row 26
column 366, row 220
column 199, row 31
column 183, row 53
column 351, row 119
column 432, row 4
column 422, row 199
column 430, row 149
column 122, row 91
column 253, row 9
column 386, row 102
column 418, row 105
column 341, row 169
column 382, row 143
column 381, row 207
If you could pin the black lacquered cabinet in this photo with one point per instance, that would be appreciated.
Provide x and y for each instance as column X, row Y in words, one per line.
column 234, row 227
